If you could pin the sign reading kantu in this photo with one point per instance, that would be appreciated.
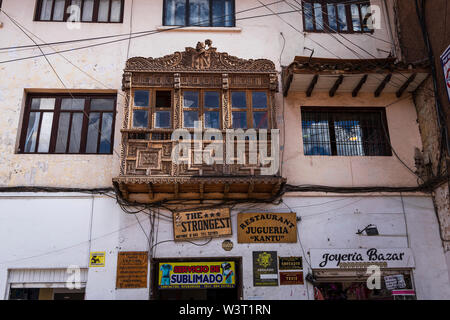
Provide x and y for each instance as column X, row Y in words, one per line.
column 267, row 227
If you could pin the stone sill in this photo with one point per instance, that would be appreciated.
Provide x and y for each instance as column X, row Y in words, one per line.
column 199, row 29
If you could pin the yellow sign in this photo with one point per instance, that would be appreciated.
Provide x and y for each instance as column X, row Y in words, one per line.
column 201, row 224
column 267, row 227
column 197, row 275
column 97, row 259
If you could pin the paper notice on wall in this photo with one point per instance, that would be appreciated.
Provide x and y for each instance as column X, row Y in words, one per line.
column 445, row 61
column 395, row 282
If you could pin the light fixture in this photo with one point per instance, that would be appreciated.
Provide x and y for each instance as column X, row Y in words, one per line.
column 371, row 230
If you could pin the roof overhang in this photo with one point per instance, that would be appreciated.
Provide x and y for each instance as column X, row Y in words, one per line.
column 354, row 76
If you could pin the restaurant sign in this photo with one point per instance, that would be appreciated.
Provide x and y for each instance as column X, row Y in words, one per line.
column 361, row 258
column 200, row 224
column 197, row 275
column 267, row 227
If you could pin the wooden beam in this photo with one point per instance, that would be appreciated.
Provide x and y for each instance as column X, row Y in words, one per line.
column 226, row 190
column 176, row 189
column 405, row 85
column 312, row 85
column 382, row 85
column 359, row 86
column 336, row 85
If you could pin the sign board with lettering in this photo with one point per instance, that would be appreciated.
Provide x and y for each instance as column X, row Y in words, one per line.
column 265, row 271
column 132, row 269
column 361, row 258
column 290, row 263
column 197, row 275
column 97, row 259
column 396, row 281
column 267, row 227
column 445, row 61
column 201, row 224
column 291, row 278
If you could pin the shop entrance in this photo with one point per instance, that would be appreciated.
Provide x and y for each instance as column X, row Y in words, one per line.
column 215, row 279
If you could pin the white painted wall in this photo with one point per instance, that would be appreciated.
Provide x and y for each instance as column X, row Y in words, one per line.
column 53, row 231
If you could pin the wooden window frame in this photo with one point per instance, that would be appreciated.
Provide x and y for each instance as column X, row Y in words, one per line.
column 326, row 23
column 151, row 108
column 201, row 107
column 353, row 110
column 249, row 108
column 187, row 15
column 37, row 15
column 55, row 122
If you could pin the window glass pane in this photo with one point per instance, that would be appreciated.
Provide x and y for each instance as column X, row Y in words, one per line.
column 239, row 120
column 141, row 98
column 189, row 118
column 46, row 130
column 332, row 20
column 348, row 138
column 199, row 12
column 163, row 99
column 260, row 120
column 366, row 14
column 116, row 10
column 30, row 139
column 175, row 14
column 222, row 13
column 238, row 99
column 212, row 99
column 103, row 10
column 316, row 135
column 318, row 15
column 88, row 10
column 58, row 12
column 72, row 104
column 63, row 132
column 190, row 99
column 43, row 104
column 355, row 17
column 102, row 104
column 93, row 132
column 259, row 100
column 46, row 10
column 105, row 139
column 229, row 13
column 140, row 118
column 342, row 17
column 307, row 12
column 75, row 133
column 162, row 119
column 212, row 119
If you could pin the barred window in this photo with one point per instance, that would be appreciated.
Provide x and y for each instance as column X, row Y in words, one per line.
column 345, row 132
column 336, row 16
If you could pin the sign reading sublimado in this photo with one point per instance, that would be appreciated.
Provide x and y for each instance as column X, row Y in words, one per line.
column 197, row 275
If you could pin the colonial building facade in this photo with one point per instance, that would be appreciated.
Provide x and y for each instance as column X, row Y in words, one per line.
column 182, row 149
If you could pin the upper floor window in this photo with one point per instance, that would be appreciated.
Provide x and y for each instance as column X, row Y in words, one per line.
column 345, row 132
column 200, row 13
column 84, row 10
column 336, row 16
column 78, row 124
column 152, row 108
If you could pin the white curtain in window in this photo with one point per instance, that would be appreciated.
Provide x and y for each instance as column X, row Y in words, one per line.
column 46, row 9
column 116, row 10
column 58, row 12
column 88, row 10
column 103, row 10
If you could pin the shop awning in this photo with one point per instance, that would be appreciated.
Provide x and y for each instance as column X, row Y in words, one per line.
column 377, row 76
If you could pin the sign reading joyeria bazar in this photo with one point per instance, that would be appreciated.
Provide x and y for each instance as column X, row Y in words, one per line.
column 267, row 227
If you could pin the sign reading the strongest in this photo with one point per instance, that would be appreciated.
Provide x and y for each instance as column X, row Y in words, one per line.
column 201, row 224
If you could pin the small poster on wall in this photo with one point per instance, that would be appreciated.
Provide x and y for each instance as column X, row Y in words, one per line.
column 265, row 269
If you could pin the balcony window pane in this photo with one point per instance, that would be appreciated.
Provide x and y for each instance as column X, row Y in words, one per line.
column 342, row 17
column 239, row 120
column 75, row 133
column 318, row 15
column 63, row 132
column 307, row 13
column 189, row 119
column 162, row 119
column 88, row 10
column 30, row 139
column 93, row 132
column 259, row 100
column 163, row 99
column 46, row 130
column 175, row 14
column 102, row 104
column 190, row 99
column 103, row 11
column 72, row 104
column 140, row 118
column 43, row 104
column 58, row 11
column 141, row 98
column 46, row 10
column 260, row 120
column 116, row 10
column 105, row 139
column 212, row 119
column 212, row 99
column 238, row 100
column 199, row 12
column 332, row 19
